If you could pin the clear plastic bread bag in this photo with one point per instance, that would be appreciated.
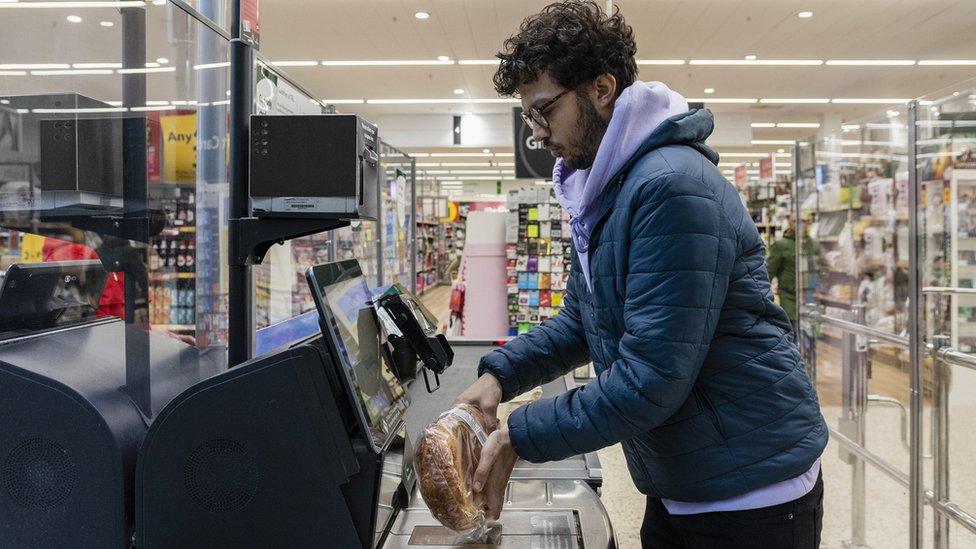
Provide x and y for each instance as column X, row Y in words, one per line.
column 446, row 459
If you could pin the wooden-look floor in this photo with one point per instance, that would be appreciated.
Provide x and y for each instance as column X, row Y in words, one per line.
column 438, row 302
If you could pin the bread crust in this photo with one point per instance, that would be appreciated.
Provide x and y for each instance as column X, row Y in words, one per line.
column 446, row 460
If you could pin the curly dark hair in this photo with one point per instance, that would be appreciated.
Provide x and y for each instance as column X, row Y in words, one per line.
column 574, row 41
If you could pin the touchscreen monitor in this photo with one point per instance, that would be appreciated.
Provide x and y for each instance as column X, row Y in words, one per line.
column 38, row 296
column 350, row 325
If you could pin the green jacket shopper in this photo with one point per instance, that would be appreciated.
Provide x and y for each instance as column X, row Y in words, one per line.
column 781, row 265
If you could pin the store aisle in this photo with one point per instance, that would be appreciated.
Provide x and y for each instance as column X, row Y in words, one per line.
column 438, row 302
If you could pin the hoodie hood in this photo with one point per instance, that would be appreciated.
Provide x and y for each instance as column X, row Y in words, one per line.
column 647, row 115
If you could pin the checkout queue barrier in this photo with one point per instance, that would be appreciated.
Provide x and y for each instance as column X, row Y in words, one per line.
column 884, row 243
column 851, row 432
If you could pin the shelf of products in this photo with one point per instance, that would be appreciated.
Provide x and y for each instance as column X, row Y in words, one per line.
column 538, row 254
column 770, row 205
column 172, row 262
column 430, row 237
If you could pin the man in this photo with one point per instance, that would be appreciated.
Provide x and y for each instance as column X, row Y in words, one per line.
column 669, row 297
column 781, row 266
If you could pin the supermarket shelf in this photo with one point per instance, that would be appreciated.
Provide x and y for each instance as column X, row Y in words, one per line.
column 175, row 327
column 832, row 301
column 171, row 276
column 428, row 223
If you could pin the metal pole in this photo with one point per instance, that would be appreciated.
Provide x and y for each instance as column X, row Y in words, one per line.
column 412, row 229
column 915, row 344
column 135, row 206
column 239, row 276
column 853, row 424
column 940, row 439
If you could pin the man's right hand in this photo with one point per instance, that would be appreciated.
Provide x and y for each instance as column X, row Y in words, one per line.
column 485, row 393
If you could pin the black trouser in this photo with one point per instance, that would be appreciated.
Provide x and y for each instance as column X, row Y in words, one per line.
column 795, row 524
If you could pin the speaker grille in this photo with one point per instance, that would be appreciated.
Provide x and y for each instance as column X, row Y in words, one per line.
column 38, row 474
column 221, row 475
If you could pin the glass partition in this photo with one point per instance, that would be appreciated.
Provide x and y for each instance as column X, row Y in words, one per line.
column 114, row 136
column 894, row 400
column 398, row 228
column 946, row 172
column 853, row 246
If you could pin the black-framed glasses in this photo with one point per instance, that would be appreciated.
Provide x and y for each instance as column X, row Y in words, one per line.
column 536, row 116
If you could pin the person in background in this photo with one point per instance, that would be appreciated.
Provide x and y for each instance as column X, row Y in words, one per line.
column 781, row 265
column 699, row 378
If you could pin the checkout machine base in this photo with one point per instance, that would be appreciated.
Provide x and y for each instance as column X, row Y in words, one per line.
column 560, row 514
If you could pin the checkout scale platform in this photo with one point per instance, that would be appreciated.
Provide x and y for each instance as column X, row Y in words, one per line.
column 550, row 505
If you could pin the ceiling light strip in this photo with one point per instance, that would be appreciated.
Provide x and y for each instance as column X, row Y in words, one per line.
column 448, row 101
column 794, row 101
column 660, row 61
column 947, row 62
column 870, row 62
column 385, row 63
column 62, row 5
column 758, row 62
column 868, row 101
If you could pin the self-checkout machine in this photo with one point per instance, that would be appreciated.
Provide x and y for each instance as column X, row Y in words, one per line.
column 75, row 391
column 305, row 446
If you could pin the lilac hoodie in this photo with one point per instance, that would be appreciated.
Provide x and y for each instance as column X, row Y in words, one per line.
column 638, row 111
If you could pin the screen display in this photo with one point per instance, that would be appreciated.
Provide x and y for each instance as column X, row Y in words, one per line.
column 345, row 304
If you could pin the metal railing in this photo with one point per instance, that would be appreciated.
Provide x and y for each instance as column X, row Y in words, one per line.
column 850, row 433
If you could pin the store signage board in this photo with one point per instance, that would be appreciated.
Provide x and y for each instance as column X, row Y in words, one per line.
column 251, row 22
column 740, row 177
column 532, row 160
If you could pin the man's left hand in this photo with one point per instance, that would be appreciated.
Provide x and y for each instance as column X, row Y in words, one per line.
column 495, row 467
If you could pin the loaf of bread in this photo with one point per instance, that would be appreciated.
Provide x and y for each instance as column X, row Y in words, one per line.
column 446, row 460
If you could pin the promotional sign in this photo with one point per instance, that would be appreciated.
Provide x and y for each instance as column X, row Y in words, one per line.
column 32, row 248
column 251, row 22
column 532, row 160
column 740, row 176
column 153, row 147
column 766, row 169
column 179, row 147
column 274, row 95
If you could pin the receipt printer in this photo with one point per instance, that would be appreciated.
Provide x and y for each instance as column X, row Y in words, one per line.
column 321, row 165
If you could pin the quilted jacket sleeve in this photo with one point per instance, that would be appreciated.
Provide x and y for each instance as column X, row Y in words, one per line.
column 551, row 349
column 681, row 253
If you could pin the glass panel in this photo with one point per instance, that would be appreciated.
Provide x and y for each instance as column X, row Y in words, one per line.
column 218, row 11
column 946, row 141
column 396, row 189
column 123, row 116
column 853, row 228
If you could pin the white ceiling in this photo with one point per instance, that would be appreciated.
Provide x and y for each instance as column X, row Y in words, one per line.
column 474, row 29
column 665, row 29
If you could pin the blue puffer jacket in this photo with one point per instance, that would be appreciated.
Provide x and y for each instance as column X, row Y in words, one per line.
column 699, row 377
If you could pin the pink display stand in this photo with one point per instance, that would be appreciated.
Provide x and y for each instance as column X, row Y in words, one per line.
column 486, row 296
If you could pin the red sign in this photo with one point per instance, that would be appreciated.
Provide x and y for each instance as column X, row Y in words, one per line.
column 251, row 22
column 740, row 176
column 766, row 168
column 154, row 146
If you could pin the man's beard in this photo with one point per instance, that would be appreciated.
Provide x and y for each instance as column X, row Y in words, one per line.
column 590, row 127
